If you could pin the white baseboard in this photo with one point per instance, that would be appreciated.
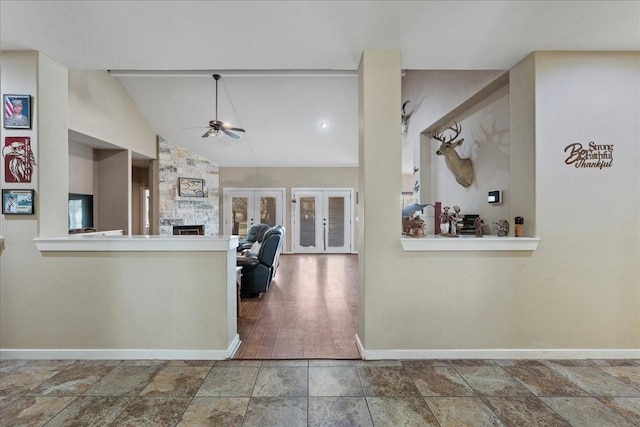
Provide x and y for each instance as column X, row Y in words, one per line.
column 121, row 354
column 497, row 353
column 233, row 347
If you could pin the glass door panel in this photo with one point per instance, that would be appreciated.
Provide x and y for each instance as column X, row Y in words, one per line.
column 337, row 214
column 246, row 207
column 308, row 233
column 241, row 217
column 335, row 218
column 321, row 221
column 269, row 210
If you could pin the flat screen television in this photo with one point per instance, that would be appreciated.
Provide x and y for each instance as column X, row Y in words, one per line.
column 80, row 211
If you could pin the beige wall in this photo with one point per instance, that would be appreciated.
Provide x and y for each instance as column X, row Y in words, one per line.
column 139, row 180
column 100, row 107
column 288, row 178
column 380, row 219
column 107, row 300
column 82, row 169
column 96, row 300
column 114, row 190
column 19, row 71
column 581, row 288
column 522, row 121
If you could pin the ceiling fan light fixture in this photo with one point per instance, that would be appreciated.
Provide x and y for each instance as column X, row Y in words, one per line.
column 219, row 128
column 213, row 132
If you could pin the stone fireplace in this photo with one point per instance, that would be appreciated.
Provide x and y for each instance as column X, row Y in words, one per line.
column 182, row 230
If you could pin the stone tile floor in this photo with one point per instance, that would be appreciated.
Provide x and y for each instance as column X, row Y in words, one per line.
column 290, row 393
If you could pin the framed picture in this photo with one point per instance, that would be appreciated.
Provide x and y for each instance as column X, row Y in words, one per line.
column 16, row 111
column 17, row 202
column 190, row 187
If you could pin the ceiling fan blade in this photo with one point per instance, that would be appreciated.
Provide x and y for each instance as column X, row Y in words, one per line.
column 232, row 135
column 234, row 129
column 207, row 133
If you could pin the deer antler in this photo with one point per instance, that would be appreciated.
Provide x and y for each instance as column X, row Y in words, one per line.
column 456, row 128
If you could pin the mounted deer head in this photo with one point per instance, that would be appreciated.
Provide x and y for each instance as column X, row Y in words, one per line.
column 462, row 169
column 406, row 116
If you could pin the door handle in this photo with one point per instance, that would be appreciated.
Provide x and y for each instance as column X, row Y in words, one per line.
column 324, row 234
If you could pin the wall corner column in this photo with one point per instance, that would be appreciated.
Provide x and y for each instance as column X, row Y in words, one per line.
column 53, row 148
column 380, row 176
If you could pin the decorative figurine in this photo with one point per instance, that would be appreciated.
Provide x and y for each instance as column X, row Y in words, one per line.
column 517, row 230
column 444, row 221
column 455, row 221
column 502, row 227
column 478, row 223
column 413, row 226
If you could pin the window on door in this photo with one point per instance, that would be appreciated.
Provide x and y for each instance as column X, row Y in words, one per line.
column 248, row 206
column 322, row 220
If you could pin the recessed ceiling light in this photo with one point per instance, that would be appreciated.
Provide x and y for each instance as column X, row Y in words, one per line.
column 323, row 124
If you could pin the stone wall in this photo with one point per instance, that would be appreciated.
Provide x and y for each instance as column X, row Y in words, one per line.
column 176, row 162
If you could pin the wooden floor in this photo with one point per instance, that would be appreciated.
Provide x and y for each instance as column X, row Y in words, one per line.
column 309, row 311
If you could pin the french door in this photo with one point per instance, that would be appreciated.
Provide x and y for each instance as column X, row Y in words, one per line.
column 322, row 220
column 248, row 206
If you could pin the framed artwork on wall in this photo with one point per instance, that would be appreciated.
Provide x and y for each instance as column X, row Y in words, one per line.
column 190, row 187
column 16, row 111
column 19, row 160
column 17, row 202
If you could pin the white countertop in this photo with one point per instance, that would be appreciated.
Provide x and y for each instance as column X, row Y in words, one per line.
column 470, row 243
column 83, row 242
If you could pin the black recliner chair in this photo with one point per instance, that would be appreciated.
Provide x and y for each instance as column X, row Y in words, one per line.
column 255, row 234
column 258, row 271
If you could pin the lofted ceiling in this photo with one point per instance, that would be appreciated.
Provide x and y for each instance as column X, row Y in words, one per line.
column 287, row 66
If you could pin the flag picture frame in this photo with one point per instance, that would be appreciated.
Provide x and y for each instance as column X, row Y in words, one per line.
column 16, row 111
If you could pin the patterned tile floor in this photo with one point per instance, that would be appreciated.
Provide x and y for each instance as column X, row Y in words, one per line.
column 290, row 393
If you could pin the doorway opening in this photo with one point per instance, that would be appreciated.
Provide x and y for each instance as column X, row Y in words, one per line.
column 308, row 312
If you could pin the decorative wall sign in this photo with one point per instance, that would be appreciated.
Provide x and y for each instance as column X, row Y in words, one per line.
column 17, row 111
column 19, row 160
column 17, row 202
column 594, row 156
column 190, row 187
